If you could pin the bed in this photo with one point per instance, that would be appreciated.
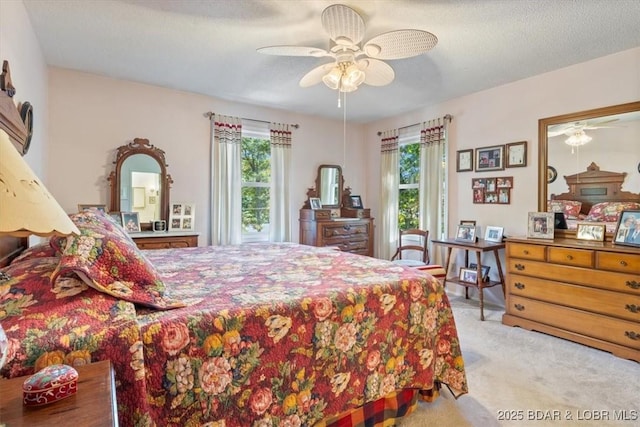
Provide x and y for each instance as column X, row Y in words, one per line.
column 249, row 335
column 270, row 332
column 593, row 195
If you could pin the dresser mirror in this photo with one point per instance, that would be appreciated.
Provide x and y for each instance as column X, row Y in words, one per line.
column 140, row 183
column 612, row 142
column 329, row 186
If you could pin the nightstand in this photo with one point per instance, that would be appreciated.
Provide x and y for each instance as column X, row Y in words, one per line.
column 94, row 404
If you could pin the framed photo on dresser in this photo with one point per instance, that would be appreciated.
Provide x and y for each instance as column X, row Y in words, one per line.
column 628, row 229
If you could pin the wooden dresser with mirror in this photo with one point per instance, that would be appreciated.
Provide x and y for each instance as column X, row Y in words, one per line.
column 329, row 225
column 140, row 183
column 580, row 290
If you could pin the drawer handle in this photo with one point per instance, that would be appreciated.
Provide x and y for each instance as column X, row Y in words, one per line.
column 632, row 335
column 623, row 263
column 519, row 267
column 519, row 285
column 526, row 252
column 519, row 307
column 346, row 227
column 632, row 308
column 633, row 284
column 569, row 257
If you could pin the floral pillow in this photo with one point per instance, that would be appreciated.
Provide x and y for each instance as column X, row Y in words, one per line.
column 40, row 250
column 610, row 211
column 570, row 208
column 106, row 258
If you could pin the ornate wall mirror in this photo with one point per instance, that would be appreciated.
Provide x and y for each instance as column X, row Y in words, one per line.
column 329, row 186
column 140, row 182
column 613, row 135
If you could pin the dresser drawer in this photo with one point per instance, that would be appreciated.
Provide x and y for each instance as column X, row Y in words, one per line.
column 570, row 256
column 617, row 331
column 624, row 306
column 525, row 251
column 344, row 230
column 614, row 261
column 629, row 283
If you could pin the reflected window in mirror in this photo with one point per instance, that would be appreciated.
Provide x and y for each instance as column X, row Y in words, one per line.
column 330, row 186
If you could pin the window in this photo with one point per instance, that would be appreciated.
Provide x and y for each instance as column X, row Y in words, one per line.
column 409, row 170
column 256, row 179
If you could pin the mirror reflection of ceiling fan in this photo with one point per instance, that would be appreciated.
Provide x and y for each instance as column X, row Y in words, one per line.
column 579, row 126
column 355, row 63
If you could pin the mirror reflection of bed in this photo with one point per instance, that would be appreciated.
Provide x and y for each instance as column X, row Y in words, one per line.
column 594, row 195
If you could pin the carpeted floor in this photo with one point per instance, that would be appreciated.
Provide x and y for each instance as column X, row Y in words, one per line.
column 522, row 378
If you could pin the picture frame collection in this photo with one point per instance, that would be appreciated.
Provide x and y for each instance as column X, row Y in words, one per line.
column 491, row 158
column 494, row 190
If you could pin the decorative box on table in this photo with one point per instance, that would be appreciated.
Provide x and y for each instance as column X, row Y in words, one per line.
column 49, row 385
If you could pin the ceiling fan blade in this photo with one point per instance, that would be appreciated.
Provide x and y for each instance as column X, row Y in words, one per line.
column 400, row 44
column 294, row 51
column 314, row 76
column 377, row 73
column 343, row 24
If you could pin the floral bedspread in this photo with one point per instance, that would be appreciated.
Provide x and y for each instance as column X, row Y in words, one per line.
column 272, row 335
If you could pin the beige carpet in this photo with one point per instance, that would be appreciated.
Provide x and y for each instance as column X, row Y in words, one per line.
column 531, row 376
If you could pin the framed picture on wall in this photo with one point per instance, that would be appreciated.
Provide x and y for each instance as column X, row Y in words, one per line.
column 490, row 158
column 516, row 154
column 464, row 160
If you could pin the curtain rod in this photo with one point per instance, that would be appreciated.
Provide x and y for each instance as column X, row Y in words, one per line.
column 210, row 114
column 446, row 117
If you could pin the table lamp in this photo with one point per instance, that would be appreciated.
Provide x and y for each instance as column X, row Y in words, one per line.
column 26, row 207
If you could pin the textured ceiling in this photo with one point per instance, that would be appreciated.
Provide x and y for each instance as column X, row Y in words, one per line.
column 209, row 47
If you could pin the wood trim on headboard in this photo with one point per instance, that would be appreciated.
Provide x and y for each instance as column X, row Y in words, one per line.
column 10, row 122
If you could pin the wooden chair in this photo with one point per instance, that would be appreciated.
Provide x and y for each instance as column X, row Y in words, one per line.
column 412, row 239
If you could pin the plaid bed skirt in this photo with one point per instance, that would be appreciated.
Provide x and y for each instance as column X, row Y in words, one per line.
column 383, row 412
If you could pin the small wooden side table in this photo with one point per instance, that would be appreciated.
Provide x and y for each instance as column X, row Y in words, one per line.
column 478, row 247
column 93, row 405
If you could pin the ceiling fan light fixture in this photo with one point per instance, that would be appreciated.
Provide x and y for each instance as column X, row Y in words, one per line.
column 578, row 138
column 332, row 78
column 353, row 76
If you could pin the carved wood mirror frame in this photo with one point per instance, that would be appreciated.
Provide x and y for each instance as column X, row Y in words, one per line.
column 140, row 146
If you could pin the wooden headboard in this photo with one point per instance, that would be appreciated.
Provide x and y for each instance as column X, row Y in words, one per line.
column 11, row 122
column 596, row 186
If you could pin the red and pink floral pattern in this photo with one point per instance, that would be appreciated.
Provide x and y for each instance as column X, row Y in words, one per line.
column 109, row 261
column 273, row 334
column 570, row 208
column 610, row 211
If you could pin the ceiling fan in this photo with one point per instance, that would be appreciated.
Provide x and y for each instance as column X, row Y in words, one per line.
column 355, row 63
column 579, row 126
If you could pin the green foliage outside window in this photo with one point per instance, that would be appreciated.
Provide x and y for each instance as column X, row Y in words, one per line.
column 256, row 175
column 408, row 197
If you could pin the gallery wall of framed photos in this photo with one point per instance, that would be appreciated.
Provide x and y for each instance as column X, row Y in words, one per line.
column 494, row 190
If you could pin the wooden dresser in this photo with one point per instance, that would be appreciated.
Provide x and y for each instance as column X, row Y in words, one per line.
column 165, row 240
column 355, row 235
column 588, row 292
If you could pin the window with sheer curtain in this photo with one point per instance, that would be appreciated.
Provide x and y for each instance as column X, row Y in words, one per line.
column 256, row 181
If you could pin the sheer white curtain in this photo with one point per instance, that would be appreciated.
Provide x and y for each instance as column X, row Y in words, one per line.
column 388, row 223
column 433, row 184
column 280, row 214
column 226, row 180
